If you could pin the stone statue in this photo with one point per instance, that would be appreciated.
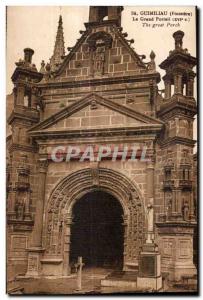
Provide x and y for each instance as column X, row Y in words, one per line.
column 99, row 59
column 151, row 64
column 169, row 205
column 150, row 218
column 150, row 223
column 20, row 209
column 185, row 210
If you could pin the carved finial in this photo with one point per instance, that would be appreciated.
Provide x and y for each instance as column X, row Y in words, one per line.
column 151, row 64
column 48, row 67
column 142, row 56
column 124, row 34
column 60, row 20
column 130, row 41
column 152, row 55
column 42, row 69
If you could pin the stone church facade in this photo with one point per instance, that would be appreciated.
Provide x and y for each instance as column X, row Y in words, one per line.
column 101, row 93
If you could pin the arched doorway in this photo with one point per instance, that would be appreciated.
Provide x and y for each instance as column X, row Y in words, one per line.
column 97, row 232
column 59, row 214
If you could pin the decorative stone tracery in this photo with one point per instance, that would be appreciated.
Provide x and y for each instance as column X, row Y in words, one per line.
column 72, row 188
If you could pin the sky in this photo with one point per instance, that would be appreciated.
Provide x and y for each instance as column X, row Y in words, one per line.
column 36, row 26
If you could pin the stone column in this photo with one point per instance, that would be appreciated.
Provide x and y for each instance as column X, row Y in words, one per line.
column 35, row 251
column 150, row 179
column 179, row 202
column 91, row 62
column 178, row 83
column 27, row 206
column 11, row 191
column 38, row 225
column 34, row 98
column 176, row 205
column 66, row 252
column 11, row 203
column 149, row 273
column 173, row 202
column 125, row 241
column 20, row 94
column 190, row 87
column 192, row 215
column 167, row 89
column 150, row 199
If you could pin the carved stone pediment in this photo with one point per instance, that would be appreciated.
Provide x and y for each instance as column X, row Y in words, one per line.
column 109, row 114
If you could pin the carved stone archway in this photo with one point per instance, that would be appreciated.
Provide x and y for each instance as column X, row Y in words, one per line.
column 58, row 212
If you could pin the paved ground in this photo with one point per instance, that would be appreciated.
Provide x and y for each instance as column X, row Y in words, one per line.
column 90, row 284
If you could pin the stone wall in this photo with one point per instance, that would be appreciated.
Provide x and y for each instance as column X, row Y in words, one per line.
column 135, row 95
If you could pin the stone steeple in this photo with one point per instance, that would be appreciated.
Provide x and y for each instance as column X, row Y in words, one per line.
column 59, row 49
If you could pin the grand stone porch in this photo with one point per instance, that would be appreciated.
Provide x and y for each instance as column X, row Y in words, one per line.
column 53, row 257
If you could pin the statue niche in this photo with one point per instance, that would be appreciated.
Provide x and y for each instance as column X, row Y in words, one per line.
column 99, row 43
column 20, row 209
column 99, row 60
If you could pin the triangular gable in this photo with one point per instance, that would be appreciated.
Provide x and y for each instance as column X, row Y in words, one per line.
column 132, row 118
column 133, row 53
column 122, row 56
column 94, row 116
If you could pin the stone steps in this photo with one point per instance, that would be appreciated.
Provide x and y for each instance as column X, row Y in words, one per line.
column 120, row 279
column 15, row 289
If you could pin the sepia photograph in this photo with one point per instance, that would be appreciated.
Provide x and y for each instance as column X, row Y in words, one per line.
column 101, row 150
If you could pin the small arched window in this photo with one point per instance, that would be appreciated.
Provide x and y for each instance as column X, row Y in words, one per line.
column 27, row 99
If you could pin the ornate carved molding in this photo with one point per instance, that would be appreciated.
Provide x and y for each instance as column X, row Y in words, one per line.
column 43, row 165
column 99, row 37
column 74, row 186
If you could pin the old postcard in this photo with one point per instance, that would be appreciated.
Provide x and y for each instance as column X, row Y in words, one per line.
column 102, row 150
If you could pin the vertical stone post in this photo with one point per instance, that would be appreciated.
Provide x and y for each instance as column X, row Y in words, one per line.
column 150, row 196
column 38, row 225
column 36, row 250
column 91, row 62
column 20, row 94
column 66, row 252
column 190, row 87
column 150, row 179
column 178, row 201
column 27, row 206
column 79, row 266
column 149, row 274
column 125, row 241
column 34, row 98
column 192, row 215
column 11, row 203
column 173, row 208
column 167, row 89
column 178, row 83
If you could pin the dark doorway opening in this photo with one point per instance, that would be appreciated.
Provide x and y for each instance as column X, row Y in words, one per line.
column 97, row 231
